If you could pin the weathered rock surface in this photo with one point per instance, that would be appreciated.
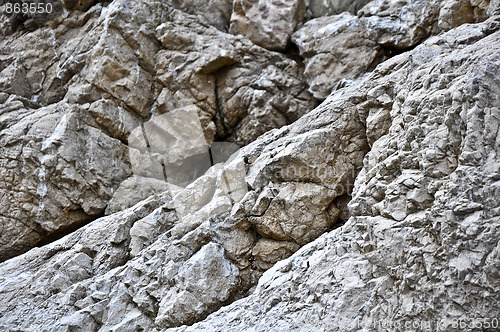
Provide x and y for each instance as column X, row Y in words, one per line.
column 215, row 12
column 255, row 228
column 421, row 248
column 269, row 24
column 336, row 49
column 341, row 48
column 244, row 88
column 455, row 13
column 94, row 76
column 57, row 172
column 333, row 7
column 344, row 47
column 133, row 190
column 415, row 142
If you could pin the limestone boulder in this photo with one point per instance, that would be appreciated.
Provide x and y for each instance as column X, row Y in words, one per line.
column 58, row 173
column 341, row 48
column 336, row 51
column 267, row 252
column 333, row 7
column 269, row 24
column 207, row 266
column 424, row 227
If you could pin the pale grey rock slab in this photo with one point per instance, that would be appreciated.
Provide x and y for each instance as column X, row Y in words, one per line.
column 420, row 246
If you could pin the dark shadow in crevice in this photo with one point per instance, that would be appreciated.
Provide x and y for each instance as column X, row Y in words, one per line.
column 84, row 219
column 293, row 53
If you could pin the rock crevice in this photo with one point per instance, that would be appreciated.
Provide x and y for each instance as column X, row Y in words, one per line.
column 377, row 205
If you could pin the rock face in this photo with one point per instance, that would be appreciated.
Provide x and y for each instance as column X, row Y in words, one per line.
column 455, row 13
column 58, row 172
column 341, row 48
column 267, row 23
column 70, row 103
column 333, row 7
column 258, row 207
column 375, row 210
column 245, row 89
column 270, row 24
column 421, row 246
column 344, row 47
column 133, row 190
column 215, row 12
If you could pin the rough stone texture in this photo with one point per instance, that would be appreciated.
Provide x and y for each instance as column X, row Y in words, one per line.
column 240, row 207
column 208, row 240
column 415, row 143
column 269, row 24
column 247, row 89
column 343, row 47
column 133, row 190
column 494, row 8
column 333, row 7
column 297, row 212
column 123, row 269
column 93, row 77
column 334, row 134
column 215, row 12
column 15, row 21
column 336, row 49
column 421, row 248
column 57, row 172
column 454, row 13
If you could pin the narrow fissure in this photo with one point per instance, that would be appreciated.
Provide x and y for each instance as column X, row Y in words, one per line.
column 86, row 219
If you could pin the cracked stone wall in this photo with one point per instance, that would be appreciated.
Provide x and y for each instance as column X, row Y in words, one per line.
column 378, row 206
column 92, row 77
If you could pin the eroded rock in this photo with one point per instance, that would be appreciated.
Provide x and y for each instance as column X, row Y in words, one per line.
column 58, row 173
column 269, row 24
column 344, row 47
column 333, row 7
column 417, row 139
column 424, row 226
column 243, row 88
column 97, row 73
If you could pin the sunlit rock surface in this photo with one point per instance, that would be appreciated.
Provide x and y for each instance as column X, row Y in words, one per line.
column 165, row 172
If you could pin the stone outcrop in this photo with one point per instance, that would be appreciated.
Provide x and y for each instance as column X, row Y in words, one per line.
column 376, row 209
column 343, row 47
column 133, row 190
column 58, row 172
column 245, row 89
column 319, row 8
column 214, row 12
column 258, row 208
column 456, row 13
column 80, row 83
column 420, row 249
column 269, row 24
